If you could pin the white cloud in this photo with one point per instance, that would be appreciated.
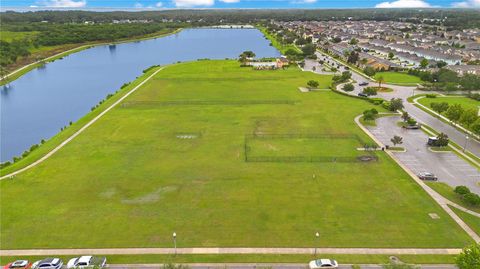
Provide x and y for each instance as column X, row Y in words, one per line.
column 193, row 3
column 63, row 3
column 137, row 5
column 303, row 1
column 230, row 1
column 404, row 4
column 467, row 4
column 159, row 4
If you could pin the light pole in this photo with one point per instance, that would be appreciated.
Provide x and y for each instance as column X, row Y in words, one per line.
column 466, row 141
column 175, row 242
column 317, row 235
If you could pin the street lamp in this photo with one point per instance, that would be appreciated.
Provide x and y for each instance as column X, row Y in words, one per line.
column 317, row 235
column 466, row 141
column 175, row 242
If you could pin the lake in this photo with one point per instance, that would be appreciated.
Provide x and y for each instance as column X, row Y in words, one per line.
column 38, row 104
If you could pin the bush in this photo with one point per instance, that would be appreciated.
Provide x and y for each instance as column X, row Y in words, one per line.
column 369, row 71
column 431, row 95
column 348, row 87
column 472, row 199
column 462, row 190
column 370, row 91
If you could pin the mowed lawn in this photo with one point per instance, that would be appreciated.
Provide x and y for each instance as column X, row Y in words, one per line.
column 171, row 159
column 465, row 102
column 398, row 78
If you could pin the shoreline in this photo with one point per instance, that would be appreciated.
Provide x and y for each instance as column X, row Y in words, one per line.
column 14, row 75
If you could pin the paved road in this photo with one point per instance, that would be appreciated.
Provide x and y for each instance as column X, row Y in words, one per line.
column 259, row 265
column 449, row 168
column 404, row 92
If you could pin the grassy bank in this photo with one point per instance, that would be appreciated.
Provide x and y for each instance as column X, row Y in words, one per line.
column 53, row 142
column 171, row 157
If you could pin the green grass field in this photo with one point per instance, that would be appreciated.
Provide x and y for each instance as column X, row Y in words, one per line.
column 9, row 36
column 472, row 221
column 171, row 158
column 398, row 78
column 465, row 102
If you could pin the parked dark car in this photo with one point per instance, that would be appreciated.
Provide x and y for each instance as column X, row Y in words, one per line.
column 363, row 84
column 363, row 94
column 427, row 176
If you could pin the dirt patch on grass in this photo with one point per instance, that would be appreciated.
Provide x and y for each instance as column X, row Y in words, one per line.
column 150, row 197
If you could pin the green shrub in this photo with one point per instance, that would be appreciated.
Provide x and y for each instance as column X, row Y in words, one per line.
column 430, row 95
column 472, row 199
column 462, row 190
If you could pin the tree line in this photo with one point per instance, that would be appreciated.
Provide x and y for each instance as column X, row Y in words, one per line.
column 452, row 18
column 49, row 34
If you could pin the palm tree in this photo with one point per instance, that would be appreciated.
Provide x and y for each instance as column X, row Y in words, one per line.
column 380, row 80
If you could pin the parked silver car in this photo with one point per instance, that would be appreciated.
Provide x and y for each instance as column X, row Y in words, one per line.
column 48, row 263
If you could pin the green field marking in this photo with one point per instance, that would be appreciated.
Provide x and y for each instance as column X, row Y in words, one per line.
column 129, row 181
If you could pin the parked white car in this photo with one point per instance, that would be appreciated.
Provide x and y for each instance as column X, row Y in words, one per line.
column 48, row 263
column 87, row 262
column 323, row 263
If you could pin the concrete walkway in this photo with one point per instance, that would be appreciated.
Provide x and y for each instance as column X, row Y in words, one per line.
column 57, row 148
column 139, row 251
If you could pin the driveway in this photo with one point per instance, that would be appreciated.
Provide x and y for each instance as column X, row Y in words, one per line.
column 404, row 92
column 447, row 166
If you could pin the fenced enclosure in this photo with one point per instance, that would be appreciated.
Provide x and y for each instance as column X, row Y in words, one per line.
column 321, row 148
column 206, row 103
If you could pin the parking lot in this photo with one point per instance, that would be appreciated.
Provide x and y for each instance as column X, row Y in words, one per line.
column 447, row 166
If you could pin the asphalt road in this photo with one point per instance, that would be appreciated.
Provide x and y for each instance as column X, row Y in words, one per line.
column 404, row 92
column 261, row 265
column 447, row 166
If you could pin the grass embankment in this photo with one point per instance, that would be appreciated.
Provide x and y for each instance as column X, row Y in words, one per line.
column 472, row 221
column 398, row 78
column 53, row 142
column 52, row 53
column 171, row 157
column 276, row 42
column 447, row 191
column 342, row 259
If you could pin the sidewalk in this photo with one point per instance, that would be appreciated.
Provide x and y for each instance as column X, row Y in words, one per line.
column 137, row 251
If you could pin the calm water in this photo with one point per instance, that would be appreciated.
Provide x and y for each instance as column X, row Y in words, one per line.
column 38, row 104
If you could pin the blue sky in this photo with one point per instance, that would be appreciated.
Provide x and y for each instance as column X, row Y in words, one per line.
column 159, row 4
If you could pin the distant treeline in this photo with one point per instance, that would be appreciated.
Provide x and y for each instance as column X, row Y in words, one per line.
column 50, row 34
column 455, row 18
